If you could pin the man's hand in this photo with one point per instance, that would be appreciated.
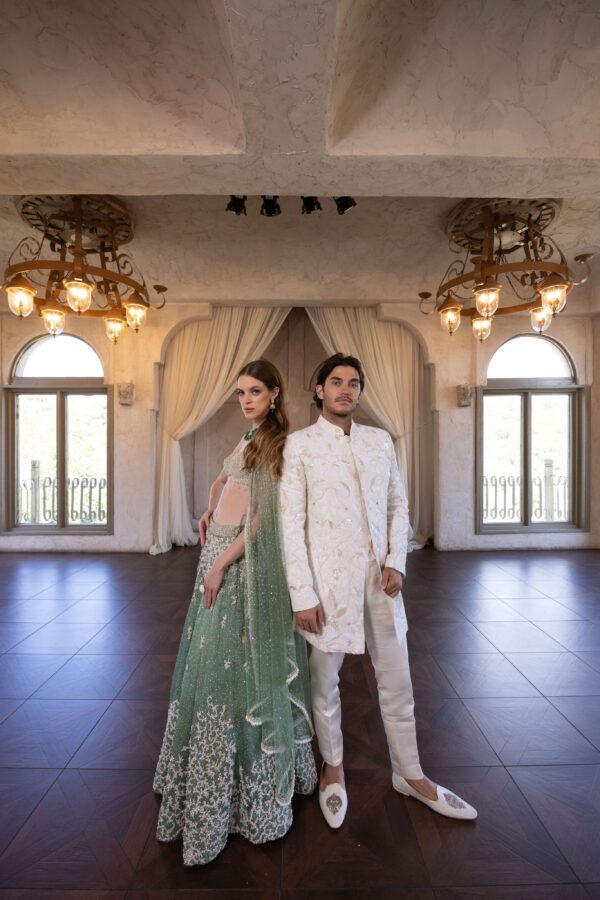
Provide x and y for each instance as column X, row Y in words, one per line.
column 312, row 620
column 391, row 581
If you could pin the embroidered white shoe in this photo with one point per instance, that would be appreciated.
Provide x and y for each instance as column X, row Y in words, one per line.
column 333, row 801
column 446, row 804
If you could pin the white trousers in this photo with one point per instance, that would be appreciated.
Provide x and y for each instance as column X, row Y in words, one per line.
column 389, row 656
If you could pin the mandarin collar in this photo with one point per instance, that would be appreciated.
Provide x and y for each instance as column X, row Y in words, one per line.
column 329, row 426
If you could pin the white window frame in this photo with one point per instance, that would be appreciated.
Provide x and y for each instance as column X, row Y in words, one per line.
column 580, row 452
column 61, row 388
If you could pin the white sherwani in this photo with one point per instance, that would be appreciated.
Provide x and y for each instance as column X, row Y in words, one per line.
column 342, row 497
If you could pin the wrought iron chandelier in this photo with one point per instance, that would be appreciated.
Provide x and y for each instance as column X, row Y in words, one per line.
column 503, row 248
column 85, row 235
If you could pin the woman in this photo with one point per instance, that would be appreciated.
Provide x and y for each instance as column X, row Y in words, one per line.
column 237, row 741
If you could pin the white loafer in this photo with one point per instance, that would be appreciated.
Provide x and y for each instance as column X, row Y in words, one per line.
column 447, row 803
column 333, row 801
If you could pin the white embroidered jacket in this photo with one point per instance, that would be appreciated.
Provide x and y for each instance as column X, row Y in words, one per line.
column 340, row 495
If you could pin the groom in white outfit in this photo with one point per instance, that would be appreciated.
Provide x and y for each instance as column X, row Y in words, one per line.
column 345, row 528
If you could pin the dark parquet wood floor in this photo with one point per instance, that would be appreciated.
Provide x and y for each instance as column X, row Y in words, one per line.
column 505, row 651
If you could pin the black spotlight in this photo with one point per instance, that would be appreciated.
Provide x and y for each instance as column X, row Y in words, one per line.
column 237, row 204
column 270, row 206
column 344, row 204
column 310, row 205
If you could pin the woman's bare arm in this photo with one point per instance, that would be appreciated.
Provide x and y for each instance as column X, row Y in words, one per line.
column 213, row 498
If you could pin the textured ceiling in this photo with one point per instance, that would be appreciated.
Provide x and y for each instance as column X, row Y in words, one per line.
column 113, row 78
column 385, row 249
column 408, row 106
column 382, row 97
column 513, row 79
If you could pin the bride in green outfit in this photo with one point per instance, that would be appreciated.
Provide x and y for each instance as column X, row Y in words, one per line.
column 237, row 741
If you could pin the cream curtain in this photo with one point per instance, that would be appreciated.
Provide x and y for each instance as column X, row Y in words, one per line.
column 394, row 396
column 200, row 369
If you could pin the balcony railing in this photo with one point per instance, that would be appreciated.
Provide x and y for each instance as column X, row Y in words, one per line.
column 550, row 497
column 37, row 500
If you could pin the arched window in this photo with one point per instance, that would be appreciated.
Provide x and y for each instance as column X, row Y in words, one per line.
column 528, row 356
column 59, row 418
column 532, row 438
column 64, row 356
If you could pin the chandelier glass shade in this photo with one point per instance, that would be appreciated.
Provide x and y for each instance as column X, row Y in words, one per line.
column 54, row 319
column 553, row 294
column 505, row 263
column 482, row 327
column 450, row 315
column 540, row 319
column 487, row 298
column 77, row 266
column 21, row 294
column 113, row 326
column 79, row 294
column 135, row 311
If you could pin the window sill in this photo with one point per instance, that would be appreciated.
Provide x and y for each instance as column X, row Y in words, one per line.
column 25, row 531
column 563, row 528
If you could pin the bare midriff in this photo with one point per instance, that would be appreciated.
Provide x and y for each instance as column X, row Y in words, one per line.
column 233, row 504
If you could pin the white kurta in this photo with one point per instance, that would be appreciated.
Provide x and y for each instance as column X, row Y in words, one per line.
column 341, row 497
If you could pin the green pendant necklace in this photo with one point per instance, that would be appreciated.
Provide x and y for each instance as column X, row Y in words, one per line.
column 250, row 434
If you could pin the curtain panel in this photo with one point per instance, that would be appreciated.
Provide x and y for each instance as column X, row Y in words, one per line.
column 201, row 367
column 394, row 395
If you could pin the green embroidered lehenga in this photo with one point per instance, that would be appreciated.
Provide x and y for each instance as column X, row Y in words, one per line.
column 237, row 740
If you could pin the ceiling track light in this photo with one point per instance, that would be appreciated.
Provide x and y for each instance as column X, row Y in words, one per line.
column 310, row 205
column 343, row 204
column 270, row 205
column 237, row 204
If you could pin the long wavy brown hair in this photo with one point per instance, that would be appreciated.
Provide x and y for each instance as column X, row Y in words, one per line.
column 266, row 447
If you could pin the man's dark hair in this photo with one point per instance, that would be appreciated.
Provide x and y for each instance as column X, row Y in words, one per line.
column 338, row 359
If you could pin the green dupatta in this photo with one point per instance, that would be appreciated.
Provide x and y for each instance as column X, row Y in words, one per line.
column 278, row 685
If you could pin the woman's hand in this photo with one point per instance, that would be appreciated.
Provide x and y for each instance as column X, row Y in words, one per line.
column 203, row 524
column 212, row 584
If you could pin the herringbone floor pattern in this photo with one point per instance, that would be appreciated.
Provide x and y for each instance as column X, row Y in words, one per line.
column 505, row 651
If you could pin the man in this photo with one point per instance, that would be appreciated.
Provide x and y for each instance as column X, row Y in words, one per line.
column 345, row 525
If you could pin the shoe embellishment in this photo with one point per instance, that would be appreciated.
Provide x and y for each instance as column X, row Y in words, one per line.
column 334, row 804
column 454, row 801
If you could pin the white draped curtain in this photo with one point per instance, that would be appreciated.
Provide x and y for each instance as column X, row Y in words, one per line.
column 394, row 395
column 201, row 366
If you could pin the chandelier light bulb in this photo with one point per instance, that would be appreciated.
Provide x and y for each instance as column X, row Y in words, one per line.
column 553, row 294
column 487, row 298
column 20, row 293
column 79, row 294
column 482, row 328
column 54, row 320
column 540, row 319
column 113, row 325
column 450, row 318
column 136, row 315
